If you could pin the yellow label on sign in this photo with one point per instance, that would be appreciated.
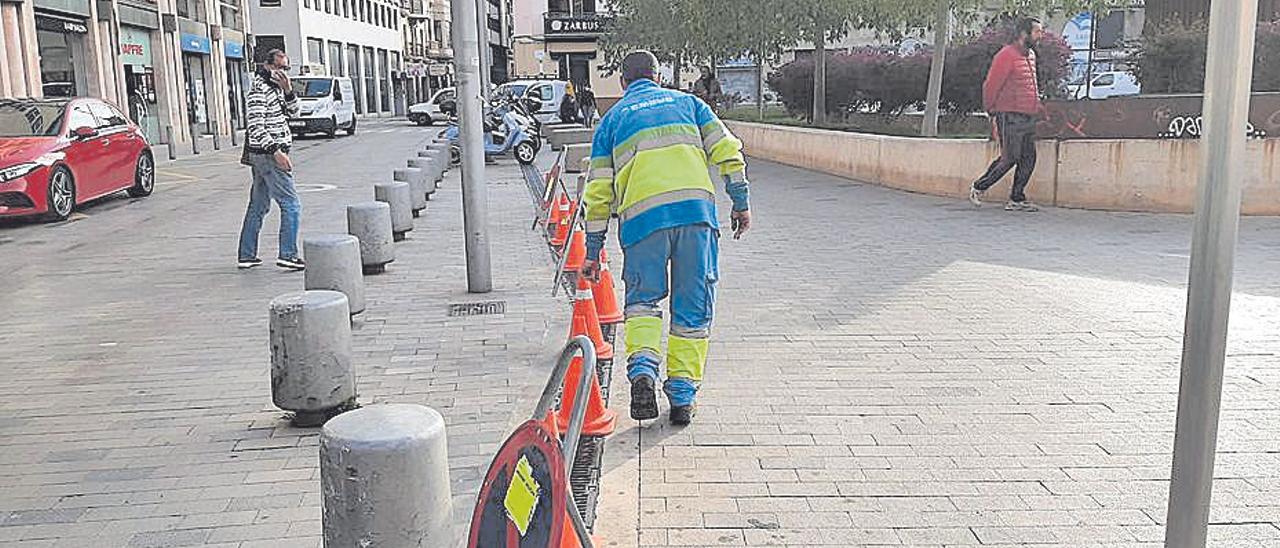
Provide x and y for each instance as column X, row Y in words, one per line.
column 522, row 496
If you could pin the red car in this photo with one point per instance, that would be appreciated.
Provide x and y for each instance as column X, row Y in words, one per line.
column 56, row 154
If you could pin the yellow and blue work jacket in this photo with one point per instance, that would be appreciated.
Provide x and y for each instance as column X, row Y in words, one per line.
column 649, row 164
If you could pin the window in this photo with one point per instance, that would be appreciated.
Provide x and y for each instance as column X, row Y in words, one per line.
column 79, row 117
column 446, row 95
column 107, row 117
column 269, row 3
column 1105, row 80
column 335, row 59
column 315, row 50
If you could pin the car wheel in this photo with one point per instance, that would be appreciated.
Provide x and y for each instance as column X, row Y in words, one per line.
column 525, row 153
column 61, row 199
column 455, row 155
column 351, row 130
column 144, row 176
column 424, row 122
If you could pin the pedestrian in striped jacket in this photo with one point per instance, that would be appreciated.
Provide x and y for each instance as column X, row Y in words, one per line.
column 271, row 102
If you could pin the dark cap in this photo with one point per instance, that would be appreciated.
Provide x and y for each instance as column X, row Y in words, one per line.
column 640, row 64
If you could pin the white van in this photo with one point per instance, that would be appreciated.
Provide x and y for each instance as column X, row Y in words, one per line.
column 325, row 105
column 549, row 92
column 425, row 114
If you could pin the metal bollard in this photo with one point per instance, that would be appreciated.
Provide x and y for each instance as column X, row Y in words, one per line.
column 195, row 139
column 311, row 372
column 370, row 223
column 397, row 196
column 333, row 263
column 235, row 138
column 384, row 473
column 172, row 146
column 417, row 187
column 217, row 141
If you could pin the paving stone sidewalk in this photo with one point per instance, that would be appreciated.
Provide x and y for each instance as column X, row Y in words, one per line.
column 136, row 410
column 895, row 369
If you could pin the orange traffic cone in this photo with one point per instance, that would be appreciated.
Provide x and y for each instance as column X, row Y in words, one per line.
column 600, row 419
column 566, row 219
column 607, row 309
column 585, row 321
column 577, row 252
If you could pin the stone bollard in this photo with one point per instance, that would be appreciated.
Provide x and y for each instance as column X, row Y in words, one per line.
column 569, row 136
column 311, row 372
column 384, row 473
column 431, row 173
column 333, row 263
column 417, row 187
column 370, row 223
column 397, row 196
column 577, row 157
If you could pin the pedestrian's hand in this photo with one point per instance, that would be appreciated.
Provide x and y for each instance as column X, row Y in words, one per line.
column 281, row 78
column 283, row 161
column 741, row 223
column 591, row 270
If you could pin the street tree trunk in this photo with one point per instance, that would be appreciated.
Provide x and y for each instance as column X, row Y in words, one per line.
column 677, row 67
column 933, row 101
column 760, row 87
column 820, row 78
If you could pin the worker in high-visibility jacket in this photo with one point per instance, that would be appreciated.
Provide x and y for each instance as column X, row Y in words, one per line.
column 649, row 166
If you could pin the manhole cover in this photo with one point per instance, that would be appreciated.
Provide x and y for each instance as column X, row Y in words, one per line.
column 487, row 308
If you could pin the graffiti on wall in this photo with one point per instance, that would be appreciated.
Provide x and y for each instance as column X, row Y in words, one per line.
column 1148, row 117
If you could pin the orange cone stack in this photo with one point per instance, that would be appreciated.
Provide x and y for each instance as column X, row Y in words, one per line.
column 566, row 219
column 600, row 419
column 607, row 309
column 577, row 252
column 585, row 321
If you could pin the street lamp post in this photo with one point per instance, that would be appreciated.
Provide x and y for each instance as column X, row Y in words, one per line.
column 1226, row 111
column 475, row 199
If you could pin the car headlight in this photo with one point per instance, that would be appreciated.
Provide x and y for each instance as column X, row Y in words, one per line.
column 13, row 172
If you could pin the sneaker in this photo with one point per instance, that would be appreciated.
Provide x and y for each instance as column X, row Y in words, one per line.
column 975, row 197
column 245, row 264
column 644, row 400
column 1021, row 206
column 683, row 415
column 292, row 263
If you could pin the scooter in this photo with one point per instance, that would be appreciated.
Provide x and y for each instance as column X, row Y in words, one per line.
column 504, row 134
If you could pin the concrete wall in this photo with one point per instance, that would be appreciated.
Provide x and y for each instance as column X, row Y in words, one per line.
column 1118, row 175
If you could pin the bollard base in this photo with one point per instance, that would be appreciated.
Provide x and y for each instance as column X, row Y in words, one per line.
column 313, row 419
column 399, row 236
column 371, row 269
column 417, row 213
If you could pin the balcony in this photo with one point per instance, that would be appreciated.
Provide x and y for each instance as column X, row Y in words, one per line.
column 570, row 28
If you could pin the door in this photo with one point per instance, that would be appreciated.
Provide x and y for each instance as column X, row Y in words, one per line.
column 85, row 157
column 550, row 103
column 118, row 149
column 342, row 101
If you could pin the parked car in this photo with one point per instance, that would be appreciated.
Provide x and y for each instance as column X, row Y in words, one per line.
column 325, row 105
column 56, row 154
column 1109, row 84
column 427, row 113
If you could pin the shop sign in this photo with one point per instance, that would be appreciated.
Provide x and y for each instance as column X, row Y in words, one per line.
column 574, row 25
column 196, row 44
column 438, row 70
column 135, row 46
column 233, row 50
column 61, row 25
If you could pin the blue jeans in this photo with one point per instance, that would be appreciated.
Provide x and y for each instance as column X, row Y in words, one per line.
column 270, row 183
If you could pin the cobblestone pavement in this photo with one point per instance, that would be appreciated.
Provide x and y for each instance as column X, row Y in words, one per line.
column 136, row 410
column 896, row 369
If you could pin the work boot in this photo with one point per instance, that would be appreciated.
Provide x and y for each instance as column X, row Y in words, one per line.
column 683, row 415
column 644, row 400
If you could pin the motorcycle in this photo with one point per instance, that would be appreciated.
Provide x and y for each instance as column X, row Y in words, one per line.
column 504, row 134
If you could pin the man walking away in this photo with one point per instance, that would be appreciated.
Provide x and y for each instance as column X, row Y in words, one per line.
column 649, row 165
column 270, row 104
column 587, row 102
column 1012, row 97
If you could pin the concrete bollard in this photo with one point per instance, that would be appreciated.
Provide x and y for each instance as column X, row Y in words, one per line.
column 370, row 223
column 569, row 136
column 311, row 372
column 431, row 173
column 397, row 196
column 384, row 473
column 417, row 187
column 576, row 157
column 333, row 263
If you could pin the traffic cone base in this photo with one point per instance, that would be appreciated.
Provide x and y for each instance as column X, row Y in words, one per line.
column 600, row 420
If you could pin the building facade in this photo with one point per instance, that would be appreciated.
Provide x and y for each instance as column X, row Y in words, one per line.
column 359, row 39
column 559, row 39
column 428, row 54
column 176, row 66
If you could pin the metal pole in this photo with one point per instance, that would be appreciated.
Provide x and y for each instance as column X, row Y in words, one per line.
column 941, row 30
column 173, row 150
column 475, row 202
column 482, row 30
column 1226, row 111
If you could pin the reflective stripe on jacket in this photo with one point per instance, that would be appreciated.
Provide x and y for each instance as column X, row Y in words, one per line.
column 649, row 163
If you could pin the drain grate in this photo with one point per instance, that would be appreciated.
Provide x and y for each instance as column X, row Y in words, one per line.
column 487, row 308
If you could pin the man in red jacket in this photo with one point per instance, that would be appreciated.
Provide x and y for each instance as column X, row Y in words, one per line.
column 1012, row 97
